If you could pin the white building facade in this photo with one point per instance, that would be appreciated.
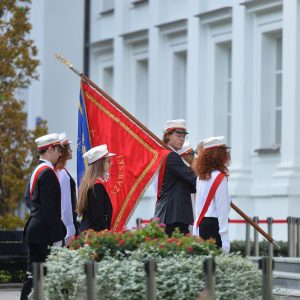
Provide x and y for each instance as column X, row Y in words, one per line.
column 229, row 67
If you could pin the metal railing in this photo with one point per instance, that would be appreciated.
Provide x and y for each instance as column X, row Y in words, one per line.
column 293, row 234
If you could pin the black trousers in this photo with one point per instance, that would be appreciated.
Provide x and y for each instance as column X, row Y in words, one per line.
column 209, row 229
column 183, row 228
column 36, row 253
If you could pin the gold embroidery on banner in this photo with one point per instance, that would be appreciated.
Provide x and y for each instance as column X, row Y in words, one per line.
column 155, row 153
column 120, row 177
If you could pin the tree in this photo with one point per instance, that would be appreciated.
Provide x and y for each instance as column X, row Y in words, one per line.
column 18, row 68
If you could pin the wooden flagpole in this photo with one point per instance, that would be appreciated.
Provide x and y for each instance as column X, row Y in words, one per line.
column 255, row 225
column 63, row 60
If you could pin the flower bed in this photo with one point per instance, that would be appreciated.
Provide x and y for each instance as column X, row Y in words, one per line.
column 150, row 238
column 121, row 272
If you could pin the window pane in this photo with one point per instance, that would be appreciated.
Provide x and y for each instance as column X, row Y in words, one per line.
column 229, row 97
column 278, row 90
column 179, row 84
column 108, row 76
column 228, row 130
column 108, row 5
column 279, row 53
column 229, row 62
column 278, row 127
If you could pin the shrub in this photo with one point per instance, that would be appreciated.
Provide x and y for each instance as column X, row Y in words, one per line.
column 240, row 246
column 178, row 277
column 12, row 276
column 11, row 222
column 120, row 262
column 151, row 238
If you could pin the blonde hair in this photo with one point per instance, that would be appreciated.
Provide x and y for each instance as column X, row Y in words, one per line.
column 92, row 172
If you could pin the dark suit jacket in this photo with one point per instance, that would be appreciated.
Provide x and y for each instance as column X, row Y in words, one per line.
column 174, row 201
column 45, row 225
column 99, row 210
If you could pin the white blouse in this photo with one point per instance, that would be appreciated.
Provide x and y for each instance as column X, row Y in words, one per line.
column 219, row 207
column 66, row 202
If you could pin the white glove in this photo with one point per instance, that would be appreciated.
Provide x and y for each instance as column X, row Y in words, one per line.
column 57, row 244
column 226, row 246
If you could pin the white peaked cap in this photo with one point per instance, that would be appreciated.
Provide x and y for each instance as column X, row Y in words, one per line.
column 214, row 141
column 97, row 153
column 186, row 148
column 47, row 140
column 179, row 124
column 64, row 140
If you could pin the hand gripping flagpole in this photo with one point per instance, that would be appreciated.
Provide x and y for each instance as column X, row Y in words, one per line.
column 63, row 60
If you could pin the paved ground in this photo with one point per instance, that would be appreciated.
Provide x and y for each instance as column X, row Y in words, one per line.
column 9, row 294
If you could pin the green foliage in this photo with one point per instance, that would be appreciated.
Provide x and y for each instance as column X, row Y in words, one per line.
column 151, row 238
column 16, row 49
column 4, row 277
column 239, row 246
column 120, row 262
column 178, row 276
column 11, row 277
column 11, row 222
column 18, row 68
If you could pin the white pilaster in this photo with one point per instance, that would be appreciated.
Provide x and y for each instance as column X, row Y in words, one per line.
column 119, row 53
column 157, row 113
column 240, row 178
column 287, row 176
column 193, row 107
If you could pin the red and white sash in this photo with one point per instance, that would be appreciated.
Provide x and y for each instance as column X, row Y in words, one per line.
column 209, row 197
column 34, row 177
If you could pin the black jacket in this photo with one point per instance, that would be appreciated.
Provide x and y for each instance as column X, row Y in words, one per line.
column 174, row 201
column 44, row 225
column 99, row 210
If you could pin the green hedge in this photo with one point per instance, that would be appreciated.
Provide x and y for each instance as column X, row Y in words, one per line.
column 239, row 246
column 178, row 276
column 11, row 277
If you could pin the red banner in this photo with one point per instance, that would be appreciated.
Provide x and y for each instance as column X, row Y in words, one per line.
column 137, row 158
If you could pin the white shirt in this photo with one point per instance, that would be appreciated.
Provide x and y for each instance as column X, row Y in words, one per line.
column 66, row 203
column 219, row 207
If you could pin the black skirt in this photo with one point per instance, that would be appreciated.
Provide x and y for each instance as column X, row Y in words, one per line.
column 209, row 229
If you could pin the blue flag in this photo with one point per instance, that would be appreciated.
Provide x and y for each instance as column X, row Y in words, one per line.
column 83, row 141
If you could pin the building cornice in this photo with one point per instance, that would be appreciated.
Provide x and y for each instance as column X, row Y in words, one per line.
column 262, row 6
column 173, row 27
column 212, row 17
column 135, row 36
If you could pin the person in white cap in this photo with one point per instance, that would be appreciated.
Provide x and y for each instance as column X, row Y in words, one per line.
column 212, row 197
column 44, row 227
column 176, row 182
column 68, row 190
column 94, row 205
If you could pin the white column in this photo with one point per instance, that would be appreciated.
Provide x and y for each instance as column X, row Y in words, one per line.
column 157, row 105
column 192, row 87
column 287, row 175
column 118, row 52
column 240, row 179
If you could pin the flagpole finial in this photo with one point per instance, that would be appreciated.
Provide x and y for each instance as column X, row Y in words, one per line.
column 63, row 60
